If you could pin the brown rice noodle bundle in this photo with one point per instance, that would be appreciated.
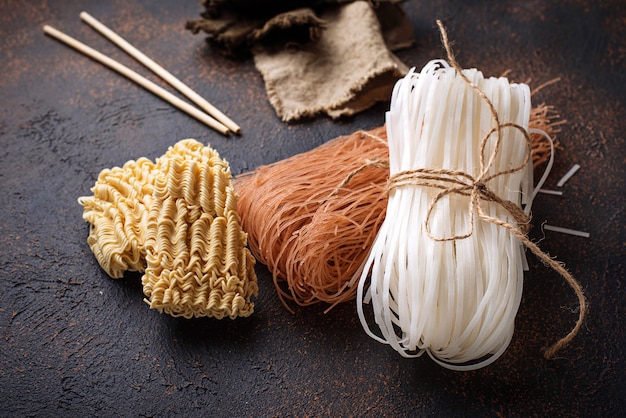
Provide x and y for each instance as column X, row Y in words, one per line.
column 312, row 218
column 307, row 236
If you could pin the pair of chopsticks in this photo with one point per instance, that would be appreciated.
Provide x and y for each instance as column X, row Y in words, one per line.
column 212, row 118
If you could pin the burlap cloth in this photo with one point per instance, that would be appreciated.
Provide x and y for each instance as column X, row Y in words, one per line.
column 331, row 58
column 347, row 70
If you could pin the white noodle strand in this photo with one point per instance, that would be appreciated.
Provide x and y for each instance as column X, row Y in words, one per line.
column 565, row 230
column 551, row 192
column 568, row 175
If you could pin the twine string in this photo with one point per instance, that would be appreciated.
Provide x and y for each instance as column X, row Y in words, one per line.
column 369, row 162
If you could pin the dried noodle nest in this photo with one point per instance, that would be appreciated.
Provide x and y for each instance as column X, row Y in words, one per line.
column 176, row 220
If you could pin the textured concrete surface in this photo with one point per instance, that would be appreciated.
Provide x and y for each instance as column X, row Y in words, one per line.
column 75, row 343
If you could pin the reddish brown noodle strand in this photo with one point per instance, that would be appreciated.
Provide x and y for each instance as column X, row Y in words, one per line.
column 545, row 118
column 312, row 241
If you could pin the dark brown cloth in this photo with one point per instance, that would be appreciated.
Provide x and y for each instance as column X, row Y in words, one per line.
column 236, row 26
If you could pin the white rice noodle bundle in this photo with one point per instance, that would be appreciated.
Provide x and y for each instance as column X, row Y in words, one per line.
column 444, row 281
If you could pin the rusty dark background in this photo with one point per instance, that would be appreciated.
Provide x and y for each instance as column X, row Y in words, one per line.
column 75, row 343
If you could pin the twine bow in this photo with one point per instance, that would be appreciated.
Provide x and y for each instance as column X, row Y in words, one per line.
column 458, row 182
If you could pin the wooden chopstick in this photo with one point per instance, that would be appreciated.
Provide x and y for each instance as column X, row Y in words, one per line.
column 133, row 76
column 160, row 71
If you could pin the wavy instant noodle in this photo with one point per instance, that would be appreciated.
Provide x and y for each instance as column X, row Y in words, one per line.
column 176, row 219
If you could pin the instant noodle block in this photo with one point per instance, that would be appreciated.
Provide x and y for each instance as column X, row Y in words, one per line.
column 176, row 220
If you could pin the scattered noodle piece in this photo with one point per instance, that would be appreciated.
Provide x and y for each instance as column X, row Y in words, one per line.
column 566, row 230
column 552, row 192
column 568, row 175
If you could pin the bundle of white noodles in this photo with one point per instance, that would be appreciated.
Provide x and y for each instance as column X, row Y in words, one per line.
column 445, row 277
